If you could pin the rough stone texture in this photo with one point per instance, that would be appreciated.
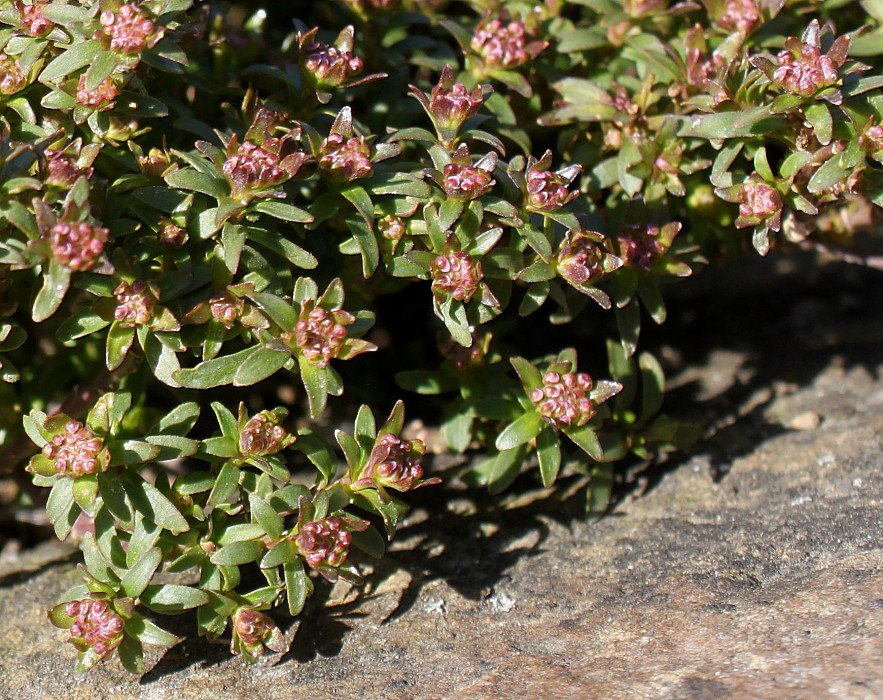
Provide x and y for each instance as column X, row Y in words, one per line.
column 765, row 582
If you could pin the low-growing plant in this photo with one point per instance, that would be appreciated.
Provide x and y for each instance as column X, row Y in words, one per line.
column 202, row 201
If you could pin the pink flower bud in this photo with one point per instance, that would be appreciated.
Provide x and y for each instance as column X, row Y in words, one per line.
column 11, row 77
column 457, row 275
column 466, row 182
column 251, row 168
column 547, row 190
column 393, row 463
column 328, row 67
column 262, row 435
column 451, row 104
column 759, row 202
column 32, row 19
column 319, row 334
column 501, row 45
column 325, row 543
column 564, row 400
column 391, row 227
column 128, row 30
column 135, row 304
column 346, row 158
column 580, row 259
column 226, row 308
column 76, row 244
column 96, row 626
column 804, row 70
column 101, row 97
column 741, row 15
column 75, row 450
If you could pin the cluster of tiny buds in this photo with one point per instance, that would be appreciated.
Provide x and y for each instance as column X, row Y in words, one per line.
column 101, row 96
column 319, row 334
column 251, row 167
column 32, row 19
column 452, row 106
column 639, row 244
column 564, row 400
column 394, row 463
column 74, row 451
column 872, row 138
column 500, row 44
column 226, row 308
column 328, row 66
column 391, row 227
column 347, row 158
column 95, row 625
column 62, row 170
column 759, row 201
column 262, row 436
column 11, row 78
column 741, row 15
column 580, row 259
column 135, row 304
column 323, row 542
column 77, row 244
column 129, row 30
column 547, row 191
column 466, row 182
column 457, row 274
column 172, row 236
column 252, row 627
column 807, row 73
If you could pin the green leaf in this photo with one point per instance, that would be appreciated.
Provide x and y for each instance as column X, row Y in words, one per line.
column 298, row 586
column 652, row 385
column 61, row 508
column 96, row 563
column 148, row 633
column 587, row 440
column 283, row 553
column 131, row 653
column 152, row 504
column 119, row 342
column 278, row 244
column 628, row 321
column 215, row 372
column 186, row 179
column 819, row 116
column 56, row 282
column 315, row 382
column 365, row 239
column 128, row 452
column 531, row 377
column 265, row 516
column 599, row 489
column 80, row 54
column 549, row 455
column 283, row 211
column 521, row 431
column 238, row 553
column 315, row 450
column 136, row 579
column 226, row 483
column 172, row 598
column 371, row 542
column 83, row 323
column 114, row 497
column 505, row 468
column 261, row 364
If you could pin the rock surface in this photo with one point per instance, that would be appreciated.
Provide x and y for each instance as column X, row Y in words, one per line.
column 764, row 582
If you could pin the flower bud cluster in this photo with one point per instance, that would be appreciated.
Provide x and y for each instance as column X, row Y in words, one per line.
column 393, row 463
column 128, row 30
column 639, row 245
column 391, row 227
column 252, row 168
column 580, row 259
column 172, row 236
column 253, row 630
column 501, row 44
column 135, row 304
column 226, row 308
column 466, row 182
column 96, row 626
column 456, row 274
column 329, row 67
column 11, row 77
column 451, row 104
column 77, row 244
column 101, row 96
column 324, row 542
column 319, row 334
column 564, row 400
column 262, row 435
column 547, row 191
column 741, row 15
column 32, row 19
column 805, row 71
column 62, row 170
column 74, row 451
column 758, row 202
column 346, row 158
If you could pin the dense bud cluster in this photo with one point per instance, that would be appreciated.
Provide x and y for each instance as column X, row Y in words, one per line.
column 96, row 626
column 62, row 170
column 252, row 168
column 639, row 244
column 451, row 104
column 329, row 67
column 456, row 274
column 346, row 158
column 11, row 78
column 172, row 236
column 325, row 542
column 391, row 227
column 75, row 450
column 319, row 334
column 101, row 96
column 564, row 400
column 547, row 191
column 226, row 308
column 32, row 19
column 758, row 202
column 393, row 463
column 741, row 15
column 580, row 259
column 253, row 630
column 466, row 182
column 128, row 29
column 135, row 304
column 805, row 71
column 262, row 435
column 501, row 44
column 77, row 244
